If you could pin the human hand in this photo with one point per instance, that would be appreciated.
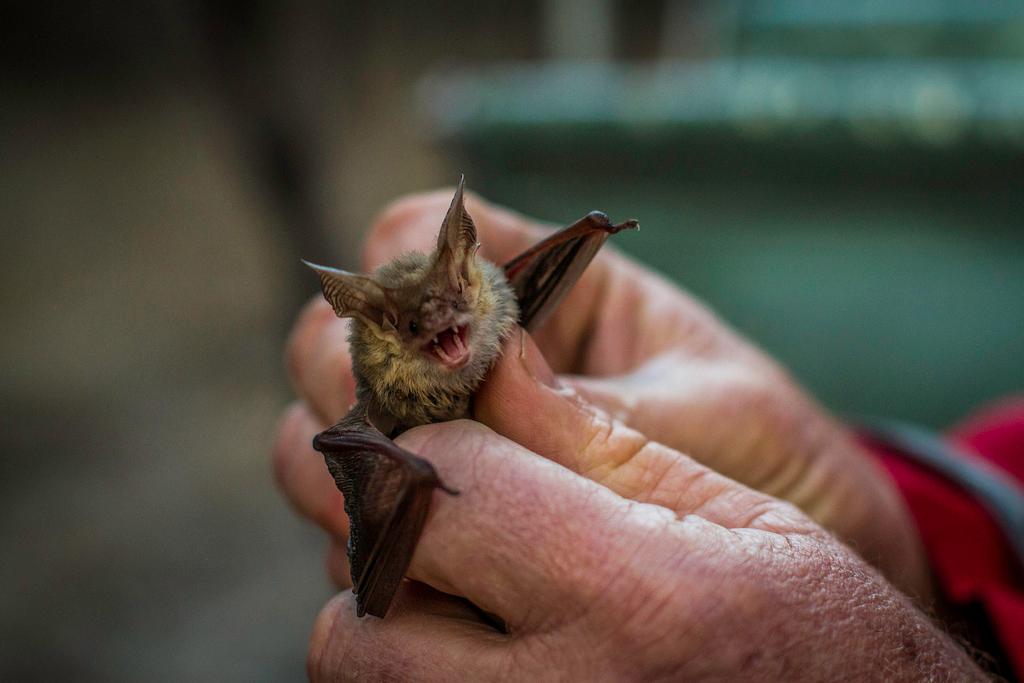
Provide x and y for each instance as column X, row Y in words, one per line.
column 616, row 558
column 628, row 341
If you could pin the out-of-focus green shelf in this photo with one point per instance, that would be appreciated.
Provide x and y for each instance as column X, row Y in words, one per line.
column 863, row 221
column 823, row 28
column 931, row 104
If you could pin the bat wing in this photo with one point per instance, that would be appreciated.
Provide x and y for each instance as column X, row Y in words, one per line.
column 387, row 493
column 543, row 274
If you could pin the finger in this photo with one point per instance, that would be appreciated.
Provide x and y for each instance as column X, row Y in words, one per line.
column 427, row 636
column 524, row 401
column 319, row 363
column 746, row 424
column 702, row 407
column 758, row 430
column 507, row 534
column 302, row 475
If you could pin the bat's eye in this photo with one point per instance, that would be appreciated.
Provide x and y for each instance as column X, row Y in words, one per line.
column 413, row 327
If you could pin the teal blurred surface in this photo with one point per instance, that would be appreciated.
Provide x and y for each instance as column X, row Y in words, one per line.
column 898, row 301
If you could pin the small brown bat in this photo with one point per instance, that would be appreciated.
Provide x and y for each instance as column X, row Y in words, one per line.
column 425, row 331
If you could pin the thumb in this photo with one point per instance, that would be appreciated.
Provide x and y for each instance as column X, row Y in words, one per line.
column 523, row 400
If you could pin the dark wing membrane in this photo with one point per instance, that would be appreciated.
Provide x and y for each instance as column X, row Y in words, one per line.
column 543, row 274
column 391, row 555
column 387, row 495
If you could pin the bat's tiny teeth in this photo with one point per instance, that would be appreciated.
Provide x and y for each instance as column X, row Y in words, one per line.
column 435, row 340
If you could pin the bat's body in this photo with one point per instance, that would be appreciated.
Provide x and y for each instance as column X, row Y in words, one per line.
column 425, row 331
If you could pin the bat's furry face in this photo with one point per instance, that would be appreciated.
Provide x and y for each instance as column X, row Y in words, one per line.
column 439, row 322
column 426, row 327
column 425, row 367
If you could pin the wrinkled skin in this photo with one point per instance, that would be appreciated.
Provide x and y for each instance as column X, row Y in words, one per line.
column 614, row 555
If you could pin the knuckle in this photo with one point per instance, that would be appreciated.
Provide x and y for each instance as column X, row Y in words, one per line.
column 608, row 447
column 332, row 639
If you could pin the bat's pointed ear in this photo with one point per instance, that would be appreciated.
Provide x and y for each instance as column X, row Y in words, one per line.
column 457, row 241
column 357, row 296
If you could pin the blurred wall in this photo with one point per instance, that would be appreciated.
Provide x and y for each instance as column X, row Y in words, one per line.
column 164, row 166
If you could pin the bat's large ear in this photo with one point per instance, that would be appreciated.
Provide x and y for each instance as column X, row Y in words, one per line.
column 457, row 241
column 357, row 296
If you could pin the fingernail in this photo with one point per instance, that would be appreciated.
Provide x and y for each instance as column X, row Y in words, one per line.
column 536, row 365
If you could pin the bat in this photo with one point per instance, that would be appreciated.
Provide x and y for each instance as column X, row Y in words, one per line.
column 425, row 330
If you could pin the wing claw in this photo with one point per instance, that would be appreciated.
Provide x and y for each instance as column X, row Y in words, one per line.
column 543, row 274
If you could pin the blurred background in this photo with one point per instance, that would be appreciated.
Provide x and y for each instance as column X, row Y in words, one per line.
column 842, row 181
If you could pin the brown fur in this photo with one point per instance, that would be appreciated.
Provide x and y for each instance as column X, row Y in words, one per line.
column 394, row 379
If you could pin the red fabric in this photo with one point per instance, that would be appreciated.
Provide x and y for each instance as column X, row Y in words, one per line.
column 971, row 559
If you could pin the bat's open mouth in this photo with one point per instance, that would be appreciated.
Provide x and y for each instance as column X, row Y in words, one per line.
column 450, row 347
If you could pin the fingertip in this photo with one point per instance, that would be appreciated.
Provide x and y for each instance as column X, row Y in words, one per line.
column 301, row 474
column 523, row 400
column 291, row 425
column 519, row 372
column 327, row 637
column 532, row 363
column 328, row 383
column 426, row 635
column 310, row 321
column 318, row 361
